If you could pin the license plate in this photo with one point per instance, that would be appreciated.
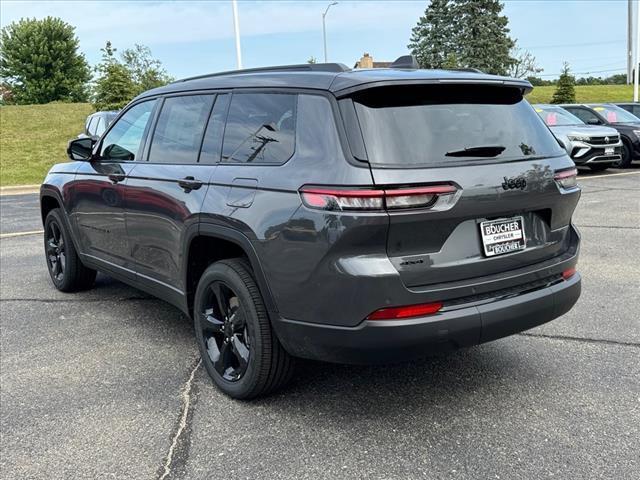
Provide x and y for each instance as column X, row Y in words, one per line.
column 502, row 236
column 608, row 150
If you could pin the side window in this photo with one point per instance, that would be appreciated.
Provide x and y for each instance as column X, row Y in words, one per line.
column 100, row 128
column 212, row 144
column 585, row 115
column 123, row 141
column 91, row 125
column 260, row 128
column 179, row 130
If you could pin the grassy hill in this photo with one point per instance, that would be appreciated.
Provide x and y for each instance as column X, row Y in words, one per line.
column 586, row 94
column 34, row 137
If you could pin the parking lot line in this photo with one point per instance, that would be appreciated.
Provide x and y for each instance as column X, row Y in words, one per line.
column 21, row 234
column 609, row 175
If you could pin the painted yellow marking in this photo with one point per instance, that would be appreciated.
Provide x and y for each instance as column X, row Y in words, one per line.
column 21, row 234
column 580, row 179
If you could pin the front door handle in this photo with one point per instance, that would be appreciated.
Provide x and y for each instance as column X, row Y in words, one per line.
column 189, row 183
column 116, row 177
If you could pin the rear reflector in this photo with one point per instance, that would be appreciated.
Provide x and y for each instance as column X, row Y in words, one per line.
column 567, row 178
column 373, row 199
column 394, row 313
column 568, row 273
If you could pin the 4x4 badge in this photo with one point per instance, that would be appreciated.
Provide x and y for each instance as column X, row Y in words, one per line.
column 512, row 183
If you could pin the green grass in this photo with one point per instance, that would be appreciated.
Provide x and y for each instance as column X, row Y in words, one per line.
column 586, row 94
column 34, row 137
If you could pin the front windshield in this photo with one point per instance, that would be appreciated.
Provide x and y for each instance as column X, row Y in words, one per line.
column 554, row 116
column 614, row 114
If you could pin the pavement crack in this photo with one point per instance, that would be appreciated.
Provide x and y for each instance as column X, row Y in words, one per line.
column 580, row 339
column 181, row 438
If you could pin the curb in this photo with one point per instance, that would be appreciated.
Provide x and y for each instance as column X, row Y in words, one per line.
column 19, row 189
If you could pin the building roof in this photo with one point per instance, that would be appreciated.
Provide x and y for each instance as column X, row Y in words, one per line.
column 335, row 78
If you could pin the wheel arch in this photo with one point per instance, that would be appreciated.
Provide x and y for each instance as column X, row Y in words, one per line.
column 209, row 243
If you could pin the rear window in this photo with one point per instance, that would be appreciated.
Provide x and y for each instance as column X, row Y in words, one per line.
column 436, row 125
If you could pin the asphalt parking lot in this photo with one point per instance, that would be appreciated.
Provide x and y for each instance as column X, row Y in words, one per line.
column 107, row 384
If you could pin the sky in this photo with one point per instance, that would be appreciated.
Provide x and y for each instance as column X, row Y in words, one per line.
column 196, row 37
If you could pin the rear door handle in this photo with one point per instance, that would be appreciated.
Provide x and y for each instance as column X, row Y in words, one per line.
column 189, row 183
column 116, row 177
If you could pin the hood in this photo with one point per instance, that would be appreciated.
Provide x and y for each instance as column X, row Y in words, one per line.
column 590, row 130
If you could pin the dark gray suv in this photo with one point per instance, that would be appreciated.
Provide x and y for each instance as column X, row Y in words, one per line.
column 313, row 211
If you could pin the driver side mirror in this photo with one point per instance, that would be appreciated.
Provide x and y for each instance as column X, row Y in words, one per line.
column 593, row 121
column 81, row 149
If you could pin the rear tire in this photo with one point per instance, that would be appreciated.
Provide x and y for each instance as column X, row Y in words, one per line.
column 239, row 349
column 66, row 270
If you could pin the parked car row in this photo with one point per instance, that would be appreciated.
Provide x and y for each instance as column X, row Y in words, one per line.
column 599, row 135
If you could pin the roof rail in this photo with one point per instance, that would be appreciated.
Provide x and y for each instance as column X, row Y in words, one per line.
column 304, row 67
column 406, row 61
column 465, row 69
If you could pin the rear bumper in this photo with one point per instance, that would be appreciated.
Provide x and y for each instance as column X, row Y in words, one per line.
column 373, row 342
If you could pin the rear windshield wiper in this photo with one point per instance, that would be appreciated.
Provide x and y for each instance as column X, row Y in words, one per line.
column 481, row 151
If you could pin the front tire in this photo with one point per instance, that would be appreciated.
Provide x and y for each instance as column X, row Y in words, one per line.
column 66, row 270
column 625, row 161
column 239, row 349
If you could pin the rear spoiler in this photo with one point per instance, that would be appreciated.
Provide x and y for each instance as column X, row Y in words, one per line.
column 522, row 85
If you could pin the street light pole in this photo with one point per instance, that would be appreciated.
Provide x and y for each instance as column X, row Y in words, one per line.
column 636, row 60
column 324, row 29
column 236, row 30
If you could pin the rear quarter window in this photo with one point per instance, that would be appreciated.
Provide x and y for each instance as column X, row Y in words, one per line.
column 260, row 128
column 424, row 125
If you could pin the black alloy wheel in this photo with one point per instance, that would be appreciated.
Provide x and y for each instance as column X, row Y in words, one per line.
column 225, row 331
column 239, row 349
column 67, row 271
column 56, row 251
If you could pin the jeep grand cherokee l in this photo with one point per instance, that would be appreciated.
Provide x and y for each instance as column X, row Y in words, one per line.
column 313, row 211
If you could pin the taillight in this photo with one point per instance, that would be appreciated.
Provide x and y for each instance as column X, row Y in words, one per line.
column 410, row 311
column 567, row 179
column 568, row 273
column 375, row 199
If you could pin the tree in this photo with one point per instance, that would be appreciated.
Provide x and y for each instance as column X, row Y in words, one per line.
column 524, row 64
column 565, row 92
column 40, row 61
column 115, row 86
column 475, row 31
column 146, row 71
column 312, row 60
column 433, row 39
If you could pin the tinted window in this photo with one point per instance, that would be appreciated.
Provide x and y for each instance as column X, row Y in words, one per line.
column 444, row 125
column 585, row 115
column 260, row 128
column 212, row 144
column 179, row 130
column 123, row 141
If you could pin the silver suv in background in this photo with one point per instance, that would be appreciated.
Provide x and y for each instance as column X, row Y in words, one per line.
column 97, row 123
column 594, row 146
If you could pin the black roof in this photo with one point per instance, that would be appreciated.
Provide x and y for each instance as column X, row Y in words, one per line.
column 332, row 77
